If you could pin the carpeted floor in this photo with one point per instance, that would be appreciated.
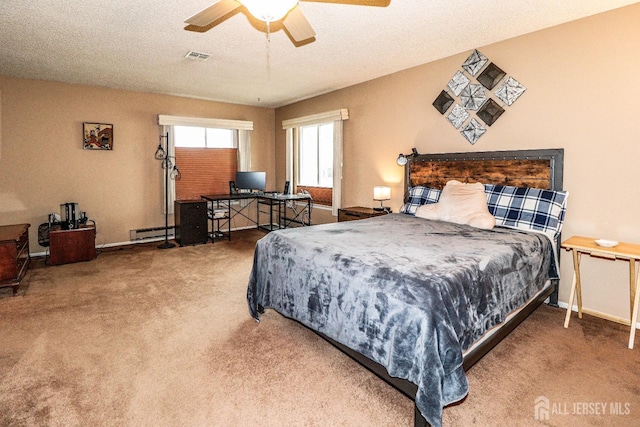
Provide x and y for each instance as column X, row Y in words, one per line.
column 148, row 337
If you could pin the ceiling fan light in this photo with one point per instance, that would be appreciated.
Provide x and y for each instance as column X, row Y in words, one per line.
column 269, row 10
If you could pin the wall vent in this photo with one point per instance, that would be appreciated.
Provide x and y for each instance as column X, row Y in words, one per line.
column 197, row 56
column 150, row 233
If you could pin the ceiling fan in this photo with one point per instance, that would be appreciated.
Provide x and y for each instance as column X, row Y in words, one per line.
column 269, row 11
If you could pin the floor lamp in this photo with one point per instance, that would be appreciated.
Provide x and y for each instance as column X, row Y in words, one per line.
column 170, row 171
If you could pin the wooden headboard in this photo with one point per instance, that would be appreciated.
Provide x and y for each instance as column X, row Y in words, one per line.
column 521, row 168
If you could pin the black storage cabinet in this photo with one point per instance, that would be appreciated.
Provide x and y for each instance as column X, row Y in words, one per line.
column 191, row 222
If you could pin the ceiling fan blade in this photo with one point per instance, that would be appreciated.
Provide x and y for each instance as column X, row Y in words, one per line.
column 298, row 26
column 213, row 13
column 378, row 3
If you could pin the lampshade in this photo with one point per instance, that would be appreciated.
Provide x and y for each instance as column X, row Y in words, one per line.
column 269, row 10
column 175, row 173
column 404, row 158
column 381, row 193
column 167, row 163
column 160, row 153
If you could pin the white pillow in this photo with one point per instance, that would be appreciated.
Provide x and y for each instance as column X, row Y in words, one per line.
column 462, row 204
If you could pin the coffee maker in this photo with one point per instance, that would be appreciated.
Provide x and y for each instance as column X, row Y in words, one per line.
column 69, row 216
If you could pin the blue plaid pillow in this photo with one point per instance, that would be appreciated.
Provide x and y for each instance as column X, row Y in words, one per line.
column 528, row 208
column 419, row 196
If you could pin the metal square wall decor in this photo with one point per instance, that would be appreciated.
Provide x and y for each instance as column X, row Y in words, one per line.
column 510, row 91
column 491, row 76
column 458, row 82
column 472, row 97
column 473, row 131
column 469, row 93
column 457, row 116
column 490, row 111
column 443, row 102
column 474, row 62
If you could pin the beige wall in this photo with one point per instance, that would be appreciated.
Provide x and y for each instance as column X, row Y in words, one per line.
column 42, row 163
column 582, row 95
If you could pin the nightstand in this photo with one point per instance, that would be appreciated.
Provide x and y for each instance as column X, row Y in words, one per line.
column 358, row 212
column 625, row 251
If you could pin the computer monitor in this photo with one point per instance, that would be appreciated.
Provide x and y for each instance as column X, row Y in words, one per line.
column 251, row 181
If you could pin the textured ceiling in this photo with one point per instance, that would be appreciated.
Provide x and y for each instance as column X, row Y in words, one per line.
column 141, row 45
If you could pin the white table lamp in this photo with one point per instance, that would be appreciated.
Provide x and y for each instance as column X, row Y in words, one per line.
column 381, row 193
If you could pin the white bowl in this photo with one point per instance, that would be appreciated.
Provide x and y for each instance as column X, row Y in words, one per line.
column 607, row 243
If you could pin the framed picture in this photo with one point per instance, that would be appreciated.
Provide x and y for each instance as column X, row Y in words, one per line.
column 97, row 136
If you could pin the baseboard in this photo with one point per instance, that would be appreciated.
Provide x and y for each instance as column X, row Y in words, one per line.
column 135, row 242
column 600, row 314
column 111, row 245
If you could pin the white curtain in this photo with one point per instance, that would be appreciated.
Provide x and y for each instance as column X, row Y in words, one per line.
column 289, row 153
column 337, row 167
column 244, row 150
column 167, row 131
column 0, row 124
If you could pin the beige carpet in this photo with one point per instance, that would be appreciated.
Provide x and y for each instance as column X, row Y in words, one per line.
column 148, row 337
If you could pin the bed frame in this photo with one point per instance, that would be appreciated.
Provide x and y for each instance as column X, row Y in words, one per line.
column 522, row 168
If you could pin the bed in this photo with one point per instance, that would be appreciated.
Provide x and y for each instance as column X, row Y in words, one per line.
column 419, row 301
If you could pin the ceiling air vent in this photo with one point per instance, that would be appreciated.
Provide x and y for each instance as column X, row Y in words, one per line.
column 197, row 56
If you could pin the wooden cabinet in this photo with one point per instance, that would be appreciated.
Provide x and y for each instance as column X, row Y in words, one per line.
column 66, row 246
column 191, row 222
column 357, row 212
column 14, row 254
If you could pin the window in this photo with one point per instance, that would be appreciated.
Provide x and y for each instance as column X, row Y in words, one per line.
column 314, row 155
column 202, row 137
column 207, row 158
column 208, row 153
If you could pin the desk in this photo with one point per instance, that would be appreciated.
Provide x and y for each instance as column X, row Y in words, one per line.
column 279, row 202
column 625, row 251
column 222, row 211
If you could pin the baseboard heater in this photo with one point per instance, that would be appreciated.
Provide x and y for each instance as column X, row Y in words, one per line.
column 150, row 233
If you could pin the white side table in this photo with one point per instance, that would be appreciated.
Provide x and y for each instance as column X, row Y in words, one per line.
column 579, row 245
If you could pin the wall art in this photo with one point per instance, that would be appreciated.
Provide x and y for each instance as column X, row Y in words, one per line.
column 472, row 97
column 474, row 62
column 458, row 82
column 457, row 116
column 473, row 131
column 490, row 111
column 491, row 76
column 443, row 102
column 510, row 91
column 97, row 136
column 469, row 92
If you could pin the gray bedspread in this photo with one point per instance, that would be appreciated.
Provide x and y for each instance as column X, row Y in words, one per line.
column 408, row 293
